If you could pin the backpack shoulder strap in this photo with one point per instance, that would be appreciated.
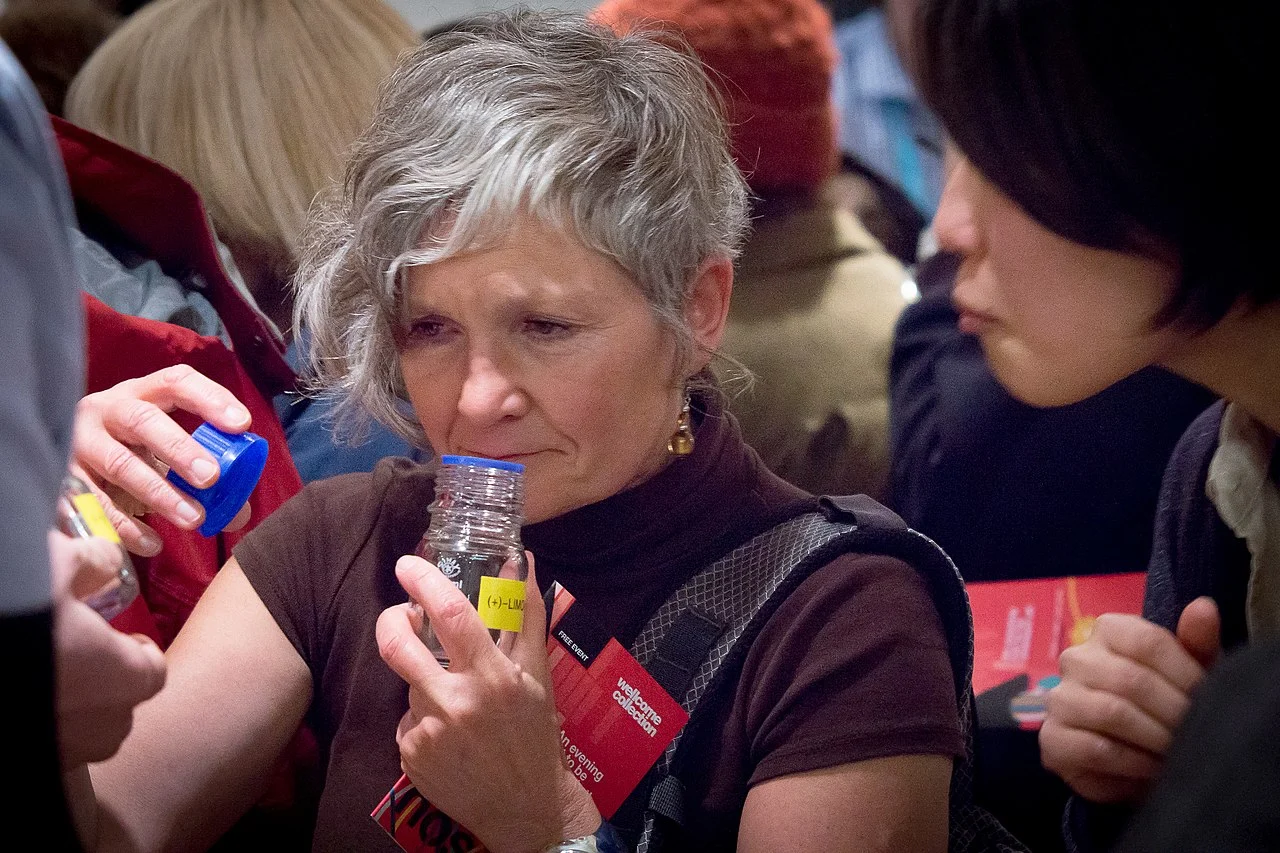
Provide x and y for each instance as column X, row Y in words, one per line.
column 723, row 609
column 709, row 621
column 728, row 594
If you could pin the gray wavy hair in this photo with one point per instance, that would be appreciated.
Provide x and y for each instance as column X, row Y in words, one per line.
column 618, row 140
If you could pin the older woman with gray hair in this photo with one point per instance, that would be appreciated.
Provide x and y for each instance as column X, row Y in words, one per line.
column 531, row 259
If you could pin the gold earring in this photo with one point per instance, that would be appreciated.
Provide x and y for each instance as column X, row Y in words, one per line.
column 681, row 442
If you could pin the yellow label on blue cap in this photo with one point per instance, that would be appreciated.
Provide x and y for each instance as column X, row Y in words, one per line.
column 95, row 517
column 501, row 604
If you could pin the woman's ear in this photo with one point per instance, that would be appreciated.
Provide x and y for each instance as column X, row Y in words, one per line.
column 707, row 311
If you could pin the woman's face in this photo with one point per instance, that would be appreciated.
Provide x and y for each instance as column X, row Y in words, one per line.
column 1058, row 321
column 543, row 352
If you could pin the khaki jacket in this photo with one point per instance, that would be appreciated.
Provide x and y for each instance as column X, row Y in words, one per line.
column 814, row 305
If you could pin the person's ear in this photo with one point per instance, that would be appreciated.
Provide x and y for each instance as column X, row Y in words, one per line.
column 707, row 311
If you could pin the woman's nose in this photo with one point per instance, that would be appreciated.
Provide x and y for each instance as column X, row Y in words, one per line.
column 489, row 393
column 954, row 225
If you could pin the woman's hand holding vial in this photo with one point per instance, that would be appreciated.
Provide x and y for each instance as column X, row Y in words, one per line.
column 481, row 740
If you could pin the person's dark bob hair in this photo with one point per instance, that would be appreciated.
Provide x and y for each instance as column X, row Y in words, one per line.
column 1120, row 124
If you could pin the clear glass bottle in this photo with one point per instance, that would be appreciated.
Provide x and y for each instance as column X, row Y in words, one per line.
column 474, row 539
column 80, row 515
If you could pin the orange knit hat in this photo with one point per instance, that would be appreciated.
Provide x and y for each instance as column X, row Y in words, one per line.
column 773, row 61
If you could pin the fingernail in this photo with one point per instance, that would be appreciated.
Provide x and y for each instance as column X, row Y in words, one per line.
column 189, row 512
column 410, row 564
column 149, row 543
column 237, row 415
column 204, row 470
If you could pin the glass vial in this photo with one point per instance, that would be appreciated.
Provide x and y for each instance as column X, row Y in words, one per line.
column 80, row 515
column 474, row 539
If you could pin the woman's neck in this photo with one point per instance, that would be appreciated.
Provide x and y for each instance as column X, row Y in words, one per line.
column 1239, row 359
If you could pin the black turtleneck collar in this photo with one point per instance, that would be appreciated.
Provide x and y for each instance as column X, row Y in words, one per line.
column 627, row 552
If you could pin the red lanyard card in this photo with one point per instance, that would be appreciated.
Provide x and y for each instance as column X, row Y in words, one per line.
column 615, row 721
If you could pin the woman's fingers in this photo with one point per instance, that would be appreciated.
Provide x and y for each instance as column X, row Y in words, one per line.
column 81, row 567
column 1111, row 720
column 1110, row 715
column 137, row 536
column 124, row 434
column 453, row 619
column 109, row 460
column 1200, row 630
column 1148, row 644
column 241, row 519
column 183, row 387
column 1094, row 766
column 143, row 424
column 1095, row 667
column 401, row 649
column 530, row 647
column 485, row 731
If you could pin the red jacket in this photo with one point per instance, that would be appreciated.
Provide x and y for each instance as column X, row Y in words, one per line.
column 160, row 214
column 122, row 347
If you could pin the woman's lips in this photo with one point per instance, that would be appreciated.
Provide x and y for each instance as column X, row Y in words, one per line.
column 972, row 321
column 974, row 324
column 502, row 456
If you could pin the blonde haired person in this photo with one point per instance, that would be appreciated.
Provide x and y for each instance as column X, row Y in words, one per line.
column 255, row 103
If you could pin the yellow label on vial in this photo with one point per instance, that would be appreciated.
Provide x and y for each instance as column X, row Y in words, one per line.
column 501, row 603
column 95, row 517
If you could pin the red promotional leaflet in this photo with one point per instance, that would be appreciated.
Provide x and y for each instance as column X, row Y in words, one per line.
column 614, row 718
column 614, row 723
column 419, row 827
column 1020, row 628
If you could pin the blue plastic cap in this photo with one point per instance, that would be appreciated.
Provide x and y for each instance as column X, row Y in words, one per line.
column 241, row 459
column 481, row 462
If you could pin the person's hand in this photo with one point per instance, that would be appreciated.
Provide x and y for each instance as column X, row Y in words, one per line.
column 101, row 673
column 480, row 740
column 124, row 440
column 1123, row 693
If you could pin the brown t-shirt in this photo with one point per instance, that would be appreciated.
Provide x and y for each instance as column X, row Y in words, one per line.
column 853, row 665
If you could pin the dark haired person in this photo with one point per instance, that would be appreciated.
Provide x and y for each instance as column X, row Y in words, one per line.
column 1104, row 206
column 1012, row 492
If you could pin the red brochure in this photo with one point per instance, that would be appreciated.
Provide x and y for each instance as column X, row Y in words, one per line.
column 419, row 827
column 1020, row 628
column 615, row 721
column 614, row 718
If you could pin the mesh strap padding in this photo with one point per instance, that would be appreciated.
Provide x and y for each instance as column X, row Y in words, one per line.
column 739, row 591
column 682, row 650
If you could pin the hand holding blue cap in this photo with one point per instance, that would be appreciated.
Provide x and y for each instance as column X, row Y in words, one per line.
column 241, row 459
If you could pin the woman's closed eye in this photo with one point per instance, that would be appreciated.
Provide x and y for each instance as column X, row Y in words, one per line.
column 547, row 328
column 430, row 330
